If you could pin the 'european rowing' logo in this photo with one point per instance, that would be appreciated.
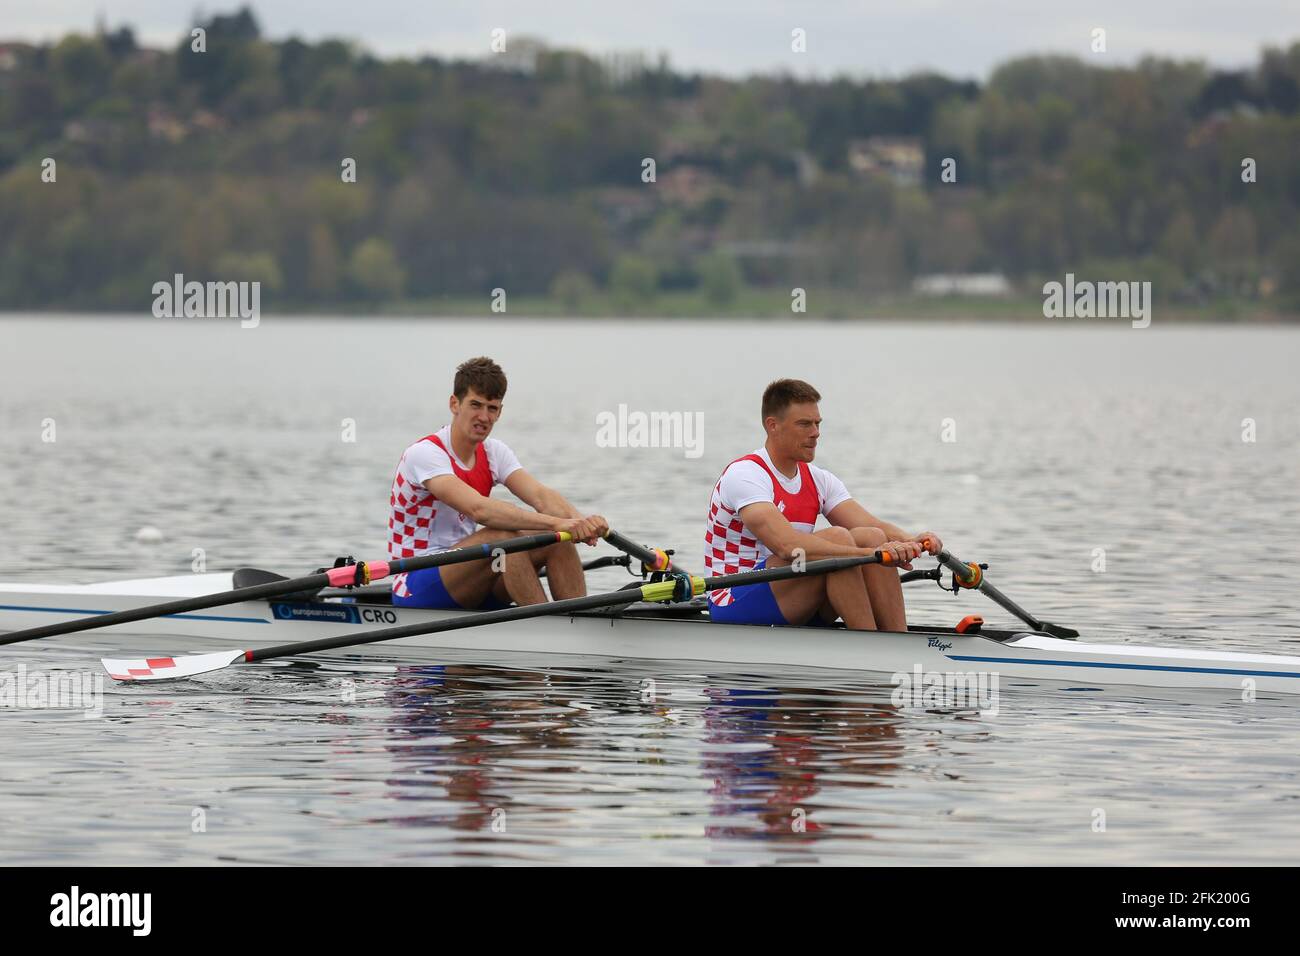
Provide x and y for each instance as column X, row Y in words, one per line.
column 316, row 613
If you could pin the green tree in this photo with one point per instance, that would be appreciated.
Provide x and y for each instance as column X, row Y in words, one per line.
column 249, row 267
column 633, row 281
column 323, row 262
column 1181, row 244
column 1286, row 260
column 572, row 289
column 1233, row 249
column 81, row 69
column 373, row 270
column 720, row 278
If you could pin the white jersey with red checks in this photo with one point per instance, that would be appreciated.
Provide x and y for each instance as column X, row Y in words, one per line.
column 418, row 523
column 729, row 547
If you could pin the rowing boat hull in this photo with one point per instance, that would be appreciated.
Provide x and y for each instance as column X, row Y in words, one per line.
column 1025, row 656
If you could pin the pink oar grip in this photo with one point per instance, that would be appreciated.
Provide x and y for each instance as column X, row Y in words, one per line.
column 346, row 576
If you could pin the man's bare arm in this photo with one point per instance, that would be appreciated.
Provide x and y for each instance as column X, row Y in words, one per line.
column 850, row 514
column 785, row 541
column 537, row 495
column 489, row 512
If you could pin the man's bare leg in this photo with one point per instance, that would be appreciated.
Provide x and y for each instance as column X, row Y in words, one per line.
column 470, row 583
column 800, row 598
column 564, row 572
column 884, row 589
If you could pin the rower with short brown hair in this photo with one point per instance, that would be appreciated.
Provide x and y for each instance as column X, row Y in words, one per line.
column 441, row 495
column 763, row 513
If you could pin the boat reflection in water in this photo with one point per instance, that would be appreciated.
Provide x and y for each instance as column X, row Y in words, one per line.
column 512, row 759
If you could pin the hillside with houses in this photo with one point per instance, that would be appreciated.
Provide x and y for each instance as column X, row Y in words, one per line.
column 599, row 185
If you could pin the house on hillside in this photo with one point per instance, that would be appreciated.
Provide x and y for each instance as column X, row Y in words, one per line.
column 993, row 285
column 688, row 185
column 901, row 158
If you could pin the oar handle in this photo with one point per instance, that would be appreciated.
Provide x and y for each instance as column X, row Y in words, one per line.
column 652, row 559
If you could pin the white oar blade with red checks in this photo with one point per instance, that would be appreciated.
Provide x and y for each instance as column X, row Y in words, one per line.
column 168, row 668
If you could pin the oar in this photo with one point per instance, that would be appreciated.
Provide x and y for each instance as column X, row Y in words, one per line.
column 680, row 587
column 347, row 576
column 972, row 576
column 652, row 559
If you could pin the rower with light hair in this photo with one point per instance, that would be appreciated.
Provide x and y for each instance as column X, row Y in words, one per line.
column 763, row 512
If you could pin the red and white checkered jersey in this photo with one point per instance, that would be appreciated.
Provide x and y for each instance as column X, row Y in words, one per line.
column 729, row 547
column 418, row 523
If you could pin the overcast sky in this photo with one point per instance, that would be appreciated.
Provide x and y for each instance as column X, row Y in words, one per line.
column 734, row 37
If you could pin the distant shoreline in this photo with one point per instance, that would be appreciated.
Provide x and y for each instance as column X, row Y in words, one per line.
column 748, row 304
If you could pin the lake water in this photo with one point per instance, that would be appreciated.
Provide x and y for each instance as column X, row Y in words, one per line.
column 275, row 446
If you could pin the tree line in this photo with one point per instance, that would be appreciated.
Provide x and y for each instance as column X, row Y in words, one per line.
column 567, row 175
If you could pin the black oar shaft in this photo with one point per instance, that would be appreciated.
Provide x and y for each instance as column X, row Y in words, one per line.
column 604, row 561
column 257, row 592
column 997, row 597
column 820, row 566
column 653, row 591
column 650, row 557
column 967, row 574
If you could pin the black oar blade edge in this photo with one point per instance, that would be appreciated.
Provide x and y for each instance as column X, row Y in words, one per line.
column 252, row 577
column 1056, row 630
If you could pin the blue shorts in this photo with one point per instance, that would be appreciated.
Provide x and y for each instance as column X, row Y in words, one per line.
column 425, row 589
column 753, row 604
